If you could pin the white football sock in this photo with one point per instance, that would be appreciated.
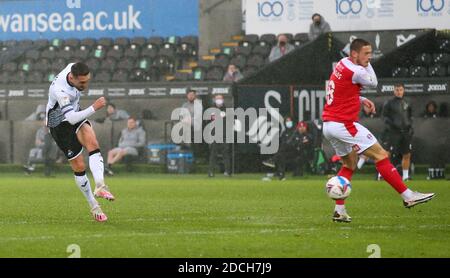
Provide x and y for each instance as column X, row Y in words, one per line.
column 84, row 185
column 340, row 209
column 405, row 174
column 407, row 194
column 361, row 162
column 97, row 168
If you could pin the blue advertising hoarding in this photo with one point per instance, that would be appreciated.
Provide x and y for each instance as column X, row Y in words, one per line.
column 36, row 19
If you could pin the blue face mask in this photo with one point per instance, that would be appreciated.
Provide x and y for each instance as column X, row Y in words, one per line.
column 289, row 124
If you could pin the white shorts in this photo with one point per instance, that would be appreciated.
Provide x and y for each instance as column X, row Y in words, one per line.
column 347, row 137
column 128, row 151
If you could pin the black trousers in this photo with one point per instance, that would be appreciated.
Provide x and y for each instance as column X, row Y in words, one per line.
column 219, row 148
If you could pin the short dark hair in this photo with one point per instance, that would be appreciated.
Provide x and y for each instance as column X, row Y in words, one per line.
column 314, row 15
column 191, row 91
column 357, row 44
column 112, row 104
column 396, row 85
column 79, row 69
column 132, row 118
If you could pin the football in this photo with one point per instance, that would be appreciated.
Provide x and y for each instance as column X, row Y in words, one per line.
column 338, row 188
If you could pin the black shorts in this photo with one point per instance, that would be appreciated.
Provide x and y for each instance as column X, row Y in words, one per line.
column 397, row 142
column 65, row 136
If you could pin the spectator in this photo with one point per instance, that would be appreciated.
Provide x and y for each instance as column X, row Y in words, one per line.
column 430, row 110
column 398, row 119
column 222, row 148
column 282, row 48
column 113, row 114
column 318, row 27
column 131, row 139
column 44, row 151
column 192, row 116
column 37, row 115
column 233, row 74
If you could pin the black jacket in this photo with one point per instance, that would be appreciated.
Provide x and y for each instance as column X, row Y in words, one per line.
column 397, row 115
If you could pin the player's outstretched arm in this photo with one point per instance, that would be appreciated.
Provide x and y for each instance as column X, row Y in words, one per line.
column 76, row 117
column 365, row 76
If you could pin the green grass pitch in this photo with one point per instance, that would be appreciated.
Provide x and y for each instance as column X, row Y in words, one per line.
column 194, row 216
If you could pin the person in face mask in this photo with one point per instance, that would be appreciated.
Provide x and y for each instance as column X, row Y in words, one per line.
column 282, row 48
column 216, row 148
column 318, row 27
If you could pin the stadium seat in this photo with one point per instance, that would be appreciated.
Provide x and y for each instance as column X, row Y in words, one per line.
column 198, row 73
column 122, row 42
column 290, row 37
column 88, row 43
column 448, row 70
column 116, row 52
column 18, row 77
column 125, row 64
column 153, row 74
column 150, row 51
column 93, row 64
column 191, row 40
column 120, row 76
column 183, row 76
column 437, row 71
column 82, row 53
column 144, row 63
column 228, row 51
column 133, row 51
column 221, row 60
column 25, row 44
column 66, row 53
column 424, row 59
column 10, row 67
column 57, row 43
column 10, row 43
column 173, row 40
column 239, row 61
column 263, row 50
column 243, row 50
column 27, row 65
column 441, row 58
column 418, row 71
column 300, row 39
column 58, row 64
column 73, row 43
column 102, row 76
column 270, row 39
column 98, row 53
column 105, row 42
column 34, row 77
column 249, row 70
column 139, row 41
column 400, row 72
column 49, row 53
column 204, row 63
column 33, row 54
column 444, row 45
column 167, row 51
column 109, row 64
column 249, row 40
column 214, row 74
column 137, row 75
column 156, row 41
column 44, row 65
column 4, row 77
column 42, row 43
column 164, row 64
column 256, row 60
column 49, row 77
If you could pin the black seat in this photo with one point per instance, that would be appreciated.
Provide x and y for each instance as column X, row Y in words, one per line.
column 444, row 45
column 73, row 43
column 109, row 64
column 239, row 61
column 156, row 41
column 4, row 77
column 133, row 51
column 168, row 52
column 105, row 42
column 116, row 52
column 58, row 64
column 250, row 39
column 120, row 76
column 418, row 71
column 57, row 43
column 34, row 77
column 66, row 53
column 102, row 76
column 26, row 65
column 256, row 60
column 243, row 50
column 139, row 41
column 400, row 72
column 88, row 43
column 424, row 59
column 173, row 40
column 214, row 74
column 150, row 51
column 228, row 50
column 249, row 70
column 25, row 43
column 270, row 39
column 164, row 64
column 137, row 75
column 199, row 74
column 99, row 53
column 43, row 65
column 183, row 76
column 437, row 71
column 93, row 64
column 10, row 67
column 441, row 58
column 263, row 50
column 144, row 63
column 123, row 42
column 301, row 39
column 33, row 54
column 42, row 43
column 18, row 77
column 221, row 60
column 82, row 53
column 125, row 64
column 49, row 53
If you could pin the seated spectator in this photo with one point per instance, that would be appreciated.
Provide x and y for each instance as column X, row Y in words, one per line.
column 282, row 48
column 45, row 151
column 131, row 139
column 37, row 115
column 430, row 110
column 233, row 74
column 318, row 27
column 113, row 114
